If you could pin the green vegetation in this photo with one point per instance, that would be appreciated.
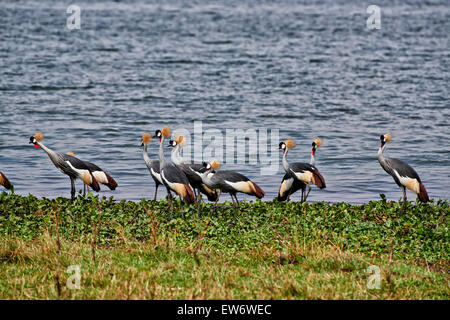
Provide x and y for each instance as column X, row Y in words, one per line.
column 269, row 250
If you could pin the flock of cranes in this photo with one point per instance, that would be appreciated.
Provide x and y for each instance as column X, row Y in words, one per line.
column 189, row 180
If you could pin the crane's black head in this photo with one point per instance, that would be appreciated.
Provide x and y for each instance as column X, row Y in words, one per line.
column 385, row 138
column 314, row 148
column 172, row 143
column 206, row 168
column 34, row 141
column 158, row 134
column 282, row 146
column 382, row 140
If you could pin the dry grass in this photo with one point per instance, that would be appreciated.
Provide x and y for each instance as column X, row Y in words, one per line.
column 163, row 270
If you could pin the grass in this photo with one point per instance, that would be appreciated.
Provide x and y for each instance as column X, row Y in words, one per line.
column 269, row 250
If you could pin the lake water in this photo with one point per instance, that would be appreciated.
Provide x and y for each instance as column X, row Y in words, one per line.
column 307, row 69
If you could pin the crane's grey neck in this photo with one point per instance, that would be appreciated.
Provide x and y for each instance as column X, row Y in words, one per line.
column 381, row 158
column 206, row 178
column 285, row 163
column 162, row 159
column 145, row 154
column 313, row 160
column 176, row 155
column 52, row 154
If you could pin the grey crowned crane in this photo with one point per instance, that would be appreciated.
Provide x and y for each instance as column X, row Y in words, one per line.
column 290, row 185
column 152, row 165
column 173, row 178
column 229, row 182
column 99, row 174
column 4, row 181
column 190, row 168
column 404, row 176
column 300, row 171
column 69, row 165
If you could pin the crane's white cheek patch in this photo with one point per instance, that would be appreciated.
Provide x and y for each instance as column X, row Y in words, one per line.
column 242, row 186
column 100, row 176
column 304, row 176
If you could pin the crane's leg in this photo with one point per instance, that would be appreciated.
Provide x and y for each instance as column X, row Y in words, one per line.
column 309, row 190
column 199, row 202
column 84, row 189
column 181, row 208
column 156, row 191
column 302, row 196
column 169, row 200
column 215, row 203
column 234, row 203
column 404, row 199
column 237, row 201
column 72, row 191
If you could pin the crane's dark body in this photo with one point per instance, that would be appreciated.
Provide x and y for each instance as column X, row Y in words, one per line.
column 4, row 181
column 288, row 186
column 403, row 169
column 298, row 175
column 173, row 174
column 230, row 182
column 173, row 178
column 220, row 178
column 68, row 165
column 296, row 168
column 190, row 169
column 402, row 173
column 98, row 173
column 154, row 169
column 61, row 163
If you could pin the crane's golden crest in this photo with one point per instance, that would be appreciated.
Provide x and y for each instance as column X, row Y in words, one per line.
column 318, row 142
column 387, row 137
column 146, row 138
column 290, row 143
column 180, row 140
column 215, row 164
column 165, row 132
column 39, row 136
column 70, row 154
